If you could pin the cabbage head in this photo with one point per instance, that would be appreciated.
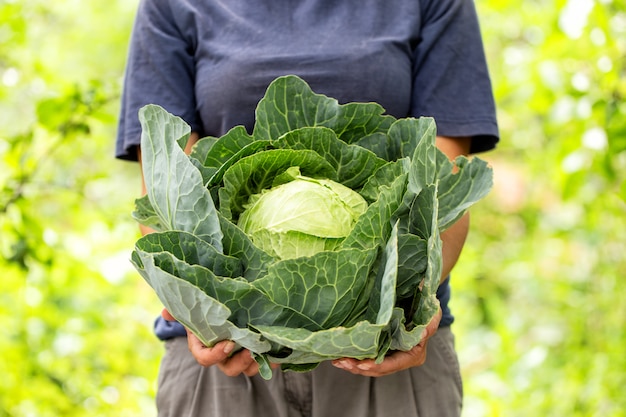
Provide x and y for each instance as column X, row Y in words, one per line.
column 301, row 217
column 315, row 237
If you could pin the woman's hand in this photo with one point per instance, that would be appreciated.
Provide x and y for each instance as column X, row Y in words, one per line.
column 396, row 361
column 220, row 355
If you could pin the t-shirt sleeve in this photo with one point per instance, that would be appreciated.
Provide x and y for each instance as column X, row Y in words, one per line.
column 159, row 70
column 451, row 78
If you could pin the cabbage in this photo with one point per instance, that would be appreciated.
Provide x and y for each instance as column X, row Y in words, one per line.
column 315, row 237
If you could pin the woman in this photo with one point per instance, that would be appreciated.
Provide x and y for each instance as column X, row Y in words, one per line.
column 209, row 62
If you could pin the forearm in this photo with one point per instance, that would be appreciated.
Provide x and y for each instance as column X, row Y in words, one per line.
column 454, row 237
column 453, row 240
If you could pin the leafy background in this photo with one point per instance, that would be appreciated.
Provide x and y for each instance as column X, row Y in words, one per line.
column 538, row 293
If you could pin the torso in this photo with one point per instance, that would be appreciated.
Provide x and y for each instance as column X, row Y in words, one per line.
column 241, row 48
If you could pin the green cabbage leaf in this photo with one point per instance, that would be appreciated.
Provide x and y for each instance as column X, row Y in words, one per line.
column 315, row 237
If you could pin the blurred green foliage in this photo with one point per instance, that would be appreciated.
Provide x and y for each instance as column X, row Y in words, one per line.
column 76, row 321
column 539, row 289
column 537, row 293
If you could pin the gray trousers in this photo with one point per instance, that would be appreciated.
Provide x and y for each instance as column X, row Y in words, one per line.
column 434, row 389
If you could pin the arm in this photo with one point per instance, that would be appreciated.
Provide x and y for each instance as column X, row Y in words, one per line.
column 453, row 239
column 220, row 354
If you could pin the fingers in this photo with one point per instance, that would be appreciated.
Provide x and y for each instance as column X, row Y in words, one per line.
column 239, row 363
column 221, row 355
column 243, row 363
column 396, row 361
column 208, row 356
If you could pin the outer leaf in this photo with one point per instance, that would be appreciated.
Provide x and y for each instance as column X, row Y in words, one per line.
column 247, row 150
column 384, row 177
column 298, row 367
column 424, row 161
column 422, row 210
column 408, row 133
column 383, row 296
column 199, row 154
column 425, row 303
column 265, row 366
column 144, row 214
column 192, row 250
column 203, row 315
column 359, row 341
column 374, row 226
column 401, row 338
column 357, row 120
column 380, row 144
column 236, row 243
column 289, row 104
column 174, row 185
column 459, row 191
column 201, row 149
column 226, row 147
column 406, row 336
column 215, row 158
column 433, row 269
column 412, row 252
column 322, row 287
column 247, row 304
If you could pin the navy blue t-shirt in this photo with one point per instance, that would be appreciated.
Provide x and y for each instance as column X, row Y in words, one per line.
column 211, row 61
